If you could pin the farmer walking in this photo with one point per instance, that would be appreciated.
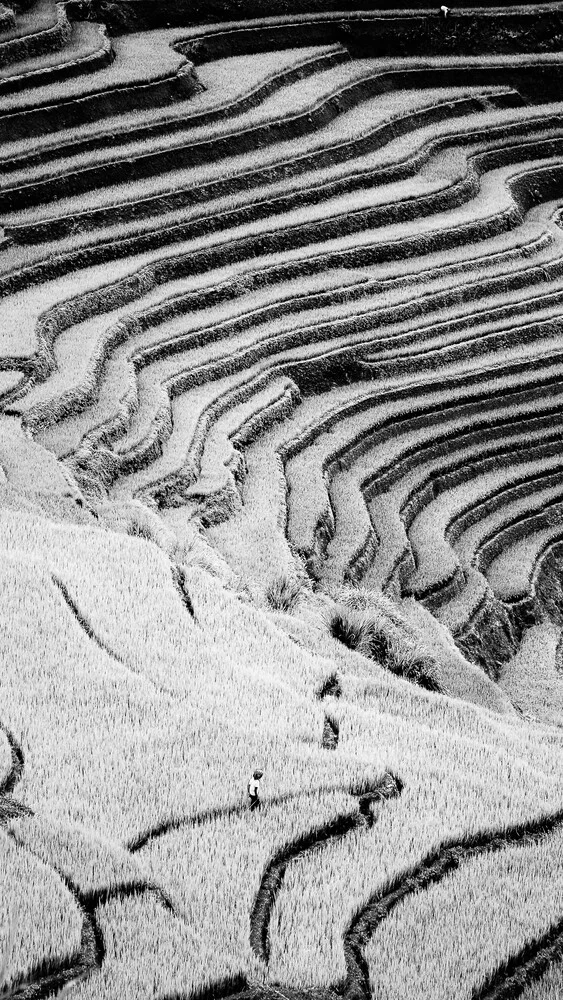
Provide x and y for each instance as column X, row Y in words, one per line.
column 444, row 11
column 253, row 789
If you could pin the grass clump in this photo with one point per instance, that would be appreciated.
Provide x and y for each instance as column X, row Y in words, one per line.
column 331, row 687
column 283, row 593
column 383, row 638
column 360, row 633
column 331, row 733
column 413, row 665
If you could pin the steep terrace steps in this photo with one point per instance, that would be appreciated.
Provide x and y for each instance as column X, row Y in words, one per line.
column 508, row 618
column 518, row 552
column 216, row 493
column 170, row 195
column 47, row 110
column 360, row 540
column 388, row 30
column 192, row 414
column 233, row 86
column 168, row 478
column 353, row 308
column 166, row 321
column 194, row 362
column 519, row 324
column 392, row 471
column 32, row 323
column 464, row 614
column 505, row 195
column 480, row 544
column 40, row 31
column 7, row 19
column 512, row 571
column 435, row 188
column 330, row 425
column 146, row 73
column 491, row 499
column 296, row 109
column 84, row 347
column 107, row 356
column 279, row 12
column 87, row 50
column 336, row 292
column 346, row 138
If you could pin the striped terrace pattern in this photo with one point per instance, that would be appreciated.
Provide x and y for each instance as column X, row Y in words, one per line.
column 300, row 235
column 282, row 295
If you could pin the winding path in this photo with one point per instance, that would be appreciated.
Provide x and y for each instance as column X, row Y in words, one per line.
column 505, row 983
column 274, row 874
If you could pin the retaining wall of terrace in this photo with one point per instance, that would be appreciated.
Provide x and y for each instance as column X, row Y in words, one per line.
column 134, row 15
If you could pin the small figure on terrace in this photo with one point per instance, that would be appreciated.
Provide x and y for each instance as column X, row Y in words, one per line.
column 444, row 11
column 253, row 789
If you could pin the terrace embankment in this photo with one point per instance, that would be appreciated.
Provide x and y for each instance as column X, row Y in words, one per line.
column 294, row 283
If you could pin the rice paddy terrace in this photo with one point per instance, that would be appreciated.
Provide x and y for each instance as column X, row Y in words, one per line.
column 281, row 486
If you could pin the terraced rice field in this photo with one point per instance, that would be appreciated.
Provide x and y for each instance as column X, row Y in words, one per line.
column 281, row 487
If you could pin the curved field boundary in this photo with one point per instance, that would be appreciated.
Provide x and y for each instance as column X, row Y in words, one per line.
column 96, row 104
column 42, row 982
column 168, row 122
column 337, row 356
column 388, row 787
column 126, row 290
column 38, row 43
column 447, row 452
column 9, row 808
column 390, row 31
column 239, row 809
column 280, row 171
column 84, row 623
column 542, row 380
column 434, row 867
column 136, row 324
column 179, row 580
column 512, row 978
column 516, row 489
column 547, row 584
column 186, row 153
column 530, row 962
column 14, row 775
column 88, row 58
column 529, row 188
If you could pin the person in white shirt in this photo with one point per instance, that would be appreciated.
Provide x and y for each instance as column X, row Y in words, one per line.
column 254, row 788
column 444, row 10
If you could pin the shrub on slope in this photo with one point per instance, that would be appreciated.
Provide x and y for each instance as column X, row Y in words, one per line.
column 371, row 626
column 283, row 593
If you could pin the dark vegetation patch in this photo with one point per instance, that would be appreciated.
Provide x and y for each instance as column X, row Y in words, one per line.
column 331, row 733
column 179, row 578
column 16, row 770
column 363, row 634
column 330, row 688
column 360, row 634
column 283, row 593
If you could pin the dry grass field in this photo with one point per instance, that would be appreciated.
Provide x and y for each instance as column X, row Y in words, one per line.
column 281, row 489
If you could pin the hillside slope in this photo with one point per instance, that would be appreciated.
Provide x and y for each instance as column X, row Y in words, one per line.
column 281, row 299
